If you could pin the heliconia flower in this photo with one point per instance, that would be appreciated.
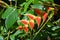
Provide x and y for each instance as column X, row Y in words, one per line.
column 30, row 16
column 31, row 23
column 20, row 28
column 37, row 11
column 38, row 20
column 24, row 21
column 45, row 16
column 26, row 28
column 49, row 8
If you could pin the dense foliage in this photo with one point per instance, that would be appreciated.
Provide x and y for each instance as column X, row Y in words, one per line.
column 29, row 20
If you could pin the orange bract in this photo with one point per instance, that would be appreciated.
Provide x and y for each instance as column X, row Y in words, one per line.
column 26, row 28
column 31, row 23
column 37, row 11
column 20, row 28
column 31, row 16
column 38, row 20
column 50, row 8
column 24, row 21
column 45, row 16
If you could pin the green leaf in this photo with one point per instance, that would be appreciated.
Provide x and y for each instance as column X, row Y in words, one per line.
column 22, row 35
column 1, row 37
column 31, row 11
column 55, row 28
column 49, row 24
column 51, row 0
column 38, row 6
column 17, row 32
column 7, row 12
column 12, row 37
column 57, row 22
column 47, row 0
column 1, row 12
column 22, row 4
column 35, row 1
column 19, row 23
column 54, row 34
column 11, row 19
column 26, row 5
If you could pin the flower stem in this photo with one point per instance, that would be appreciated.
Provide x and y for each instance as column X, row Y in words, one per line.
column 10, row 3
column 31, row 35
column 7, row 6
column 15, row 3
column 8, row 35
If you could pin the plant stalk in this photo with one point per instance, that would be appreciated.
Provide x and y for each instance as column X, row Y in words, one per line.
column 7, row 6
column 10, row 3
column 8, row 35
column 15, row 3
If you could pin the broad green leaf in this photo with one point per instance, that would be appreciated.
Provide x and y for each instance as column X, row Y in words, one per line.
column 11, row 18
column 7, row 12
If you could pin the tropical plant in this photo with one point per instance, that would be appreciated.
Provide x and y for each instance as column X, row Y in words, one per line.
column 29, row 20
